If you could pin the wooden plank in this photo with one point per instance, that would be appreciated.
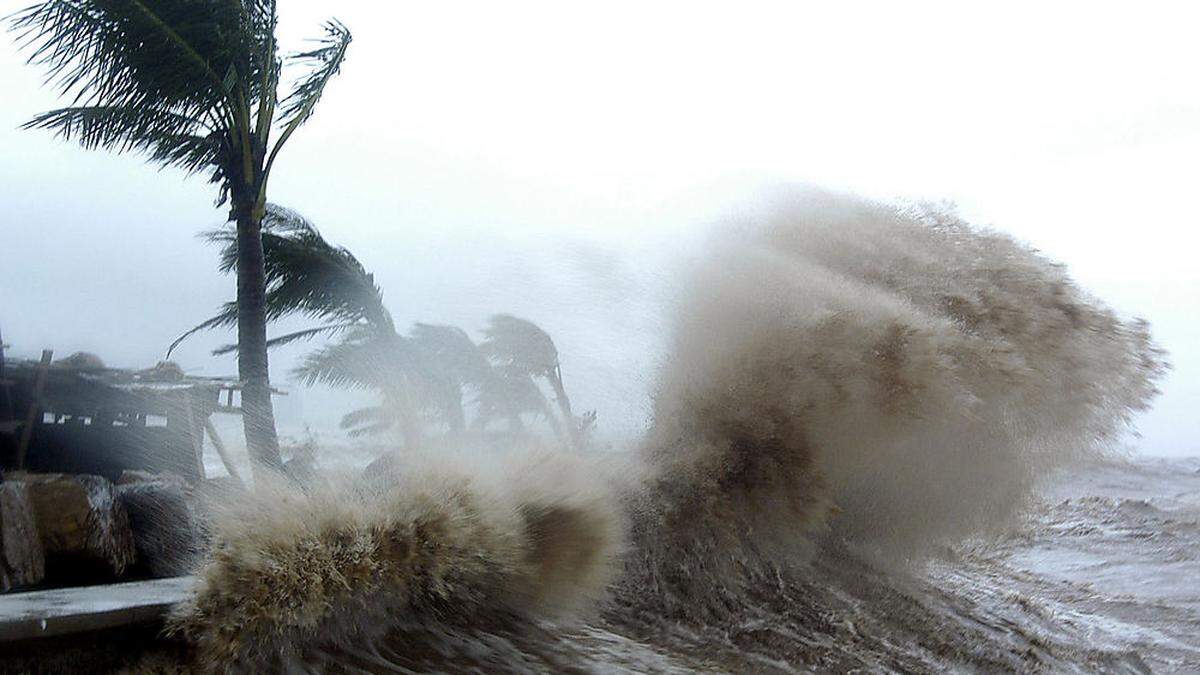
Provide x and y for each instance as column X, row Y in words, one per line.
column 63, row 611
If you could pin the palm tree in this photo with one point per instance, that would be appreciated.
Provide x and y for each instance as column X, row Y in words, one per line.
column 520, row 347
column 304, row 274
column 307, row 275
column 450, row 363
column 192, row 84
column 386, row 363
column 422, row 376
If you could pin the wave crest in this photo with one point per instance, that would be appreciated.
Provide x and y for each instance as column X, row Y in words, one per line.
column 916, row 372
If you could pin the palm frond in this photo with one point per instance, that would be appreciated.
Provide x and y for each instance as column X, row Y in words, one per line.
column 452, row 350
column 191, row 153
column 362, row 360
column 119, row 128
column 306, row 334
column 508, row 391
column 370, row 420
column 170, row 79
column 325, row 61
column 307, row 275
column 277, row 220
column 519, row 343
column 226, row 318
column 172, row 54
column 168, row 138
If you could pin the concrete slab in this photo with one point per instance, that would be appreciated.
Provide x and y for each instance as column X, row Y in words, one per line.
column 62, row 611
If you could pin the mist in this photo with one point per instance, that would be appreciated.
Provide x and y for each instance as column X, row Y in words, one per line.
column 478, row 162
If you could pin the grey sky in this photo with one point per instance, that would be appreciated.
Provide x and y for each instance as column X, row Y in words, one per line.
column 548, row 159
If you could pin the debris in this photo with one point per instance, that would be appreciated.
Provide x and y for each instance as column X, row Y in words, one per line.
column 80, row 361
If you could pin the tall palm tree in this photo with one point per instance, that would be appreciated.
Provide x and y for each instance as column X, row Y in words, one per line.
column 192, row 84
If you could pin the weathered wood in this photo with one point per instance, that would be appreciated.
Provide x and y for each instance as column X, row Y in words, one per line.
column 76, row 610
column 83, row 525
column 195, row 436
column 22, row 561
column 34, row 407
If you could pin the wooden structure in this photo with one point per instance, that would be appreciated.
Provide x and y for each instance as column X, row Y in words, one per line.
column 77, row 416
column 65, row 611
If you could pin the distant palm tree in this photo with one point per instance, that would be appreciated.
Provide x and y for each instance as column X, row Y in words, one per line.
column 192, row 84
column 307, row 275
column 520, row 347
column 423, row 375
column 450, row 363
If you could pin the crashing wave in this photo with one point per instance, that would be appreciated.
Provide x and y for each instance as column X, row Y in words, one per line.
column 890, row 375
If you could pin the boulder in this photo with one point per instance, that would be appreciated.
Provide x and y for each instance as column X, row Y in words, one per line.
column 22, row 561
column 83, row 526
column 165, row 528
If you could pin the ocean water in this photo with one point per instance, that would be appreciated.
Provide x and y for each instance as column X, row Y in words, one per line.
column 1111, row 554
column 883, row 440
column 1101, row 575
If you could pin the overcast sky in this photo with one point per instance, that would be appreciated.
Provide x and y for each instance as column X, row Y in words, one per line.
column 547, row 158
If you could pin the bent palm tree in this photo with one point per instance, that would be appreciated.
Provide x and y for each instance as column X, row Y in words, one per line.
column 192, row 84
column 423, row 374
column 450, row 362
column 521, row 347
column 307, row 275
column 304, row 274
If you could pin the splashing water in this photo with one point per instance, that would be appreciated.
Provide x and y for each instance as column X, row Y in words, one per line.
column 850, row 387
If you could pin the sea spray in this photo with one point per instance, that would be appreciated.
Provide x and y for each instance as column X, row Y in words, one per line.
column 839, row 370
column 295, row 575
column 914, row 372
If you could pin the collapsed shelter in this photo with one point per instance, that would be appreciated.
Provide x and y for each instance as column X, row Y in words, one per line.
column 77, row 416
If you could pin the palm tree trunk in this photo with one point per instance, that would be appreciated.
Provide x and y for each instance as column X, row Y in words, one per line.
column 456, row 416
column 401, row 400
column 258, row 415
column 555, row 425
column 564, row 405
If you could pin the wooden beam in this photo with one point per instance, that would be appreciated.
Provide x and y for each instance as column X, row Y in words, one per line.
column 195, row 433
column 7, row 412
column 222, row 451
column 35, row 407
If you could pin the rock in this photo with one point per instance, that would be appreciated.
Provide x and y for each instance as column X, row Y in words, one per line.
column 22, row 561
column 83, row 526
column 165, row 529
